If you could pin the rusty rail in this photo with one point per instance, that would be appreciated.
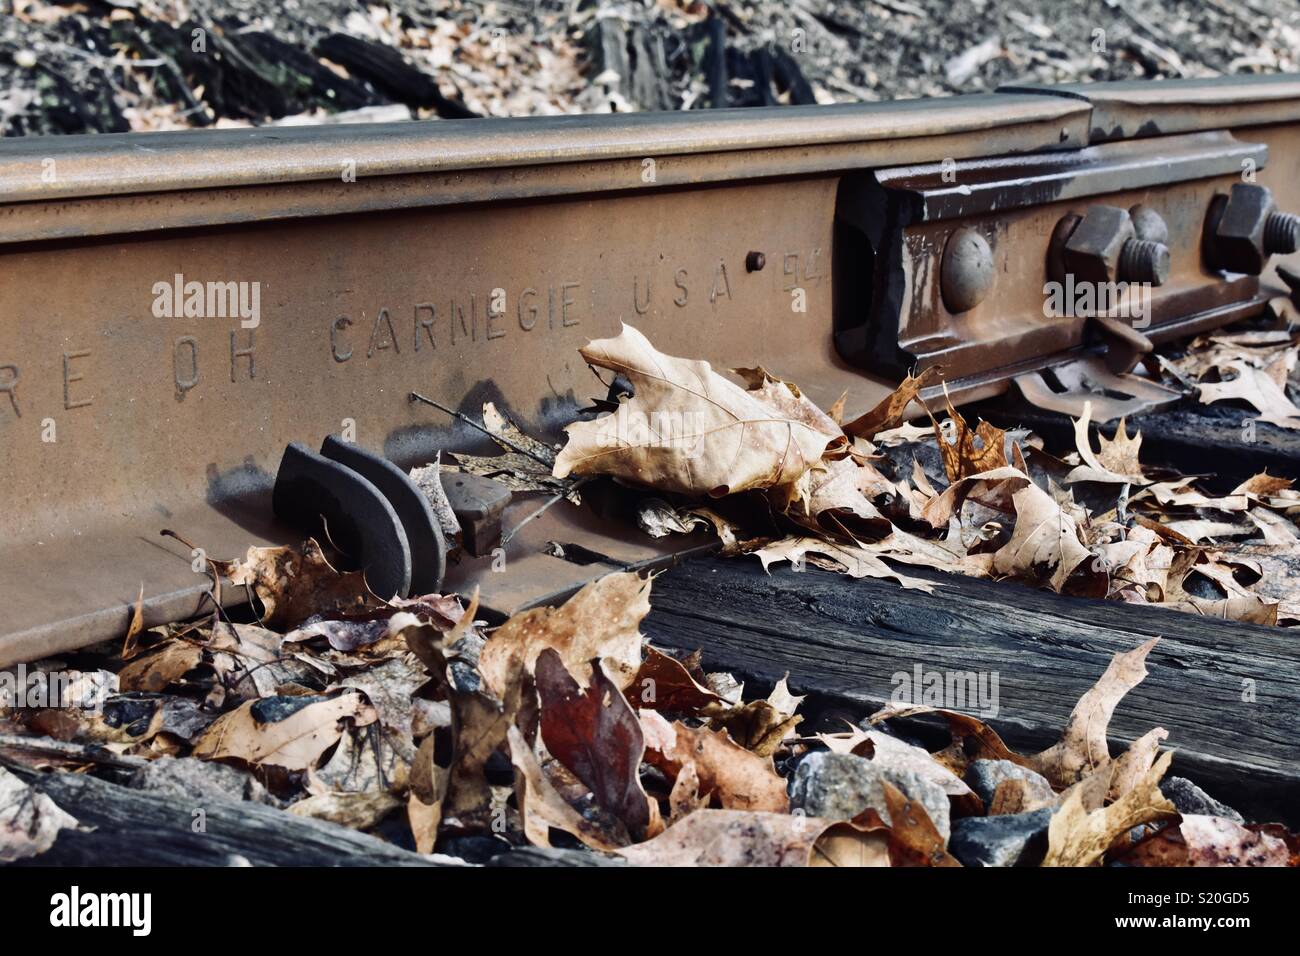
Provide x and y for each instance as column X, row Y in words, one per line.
column 340, row 268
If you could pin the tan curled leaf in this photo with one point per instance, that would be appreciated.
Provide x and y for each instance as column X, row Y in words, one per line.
column 687, row 429
column 1079, row 837
column 1134, row 764
column 849, row 845
column 1045, row 536
column 1116, row 463
column 731, row 838
column 893, row 408
column 602, row 620
column 1082, row 748
column 159, row 669
column 838, row 500
column 993, row 489
column 424, row 802
column 1258, row 389
column 856, row 562
column 357, row 811
column 294, row 583
column 29, row 820
column 786, row 398
column 541, row 806
column 288, row 732
column 1263, row 485
column 742, row 780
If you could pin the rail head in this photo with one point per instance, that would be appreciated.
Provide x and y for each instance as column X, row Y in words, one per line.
column 1128, row 109
column 88, row 166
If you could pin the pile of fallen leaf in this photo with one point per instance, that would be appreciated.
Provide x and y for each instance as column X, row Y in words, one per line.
column 778, row 477
column 563, row 728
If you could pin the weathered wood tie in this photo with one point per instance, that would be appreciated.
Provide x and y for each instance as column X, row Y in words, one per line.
column 843, row 639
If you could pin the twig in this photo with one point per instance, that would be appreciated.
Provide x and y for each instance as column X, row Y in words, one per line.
column 417, row 397
column 505, row 538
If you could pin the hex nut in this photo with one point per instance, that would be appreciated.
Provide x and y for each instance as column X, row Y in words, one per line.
column 1238, row 242
column 1093, row 250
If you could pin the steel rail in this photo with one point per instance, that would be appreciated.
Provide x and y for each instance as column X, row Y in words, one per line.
column 468, row 260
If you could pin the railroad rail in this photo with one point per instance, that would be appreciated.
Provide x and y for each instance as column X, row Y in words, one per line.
column 176, row 308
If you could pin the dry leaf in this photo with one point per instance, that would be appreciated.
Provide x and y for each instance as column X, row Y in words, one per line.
column 913, row 838
column 786, row 399
column 159, row 669
column 1116, row 463
column 1079, row 837
column 856, row 562
column 602, row 620
column 892, row 409
column 428, row 783
column 1082, row 748
column 972, row 739
column 1134, row 764
column 357, row 810
column 1258, row 389
column 838, row 500
column 687, row 430
column 685, row 797
column 846, row 844
column 429, row 480
column 135, row 628
column 29, row 820
column 525, row 463
column 595, row 734
column 993, row 489
column 742, row 780
column 541, row 806
column 288, row 732
column 731, row 838
column 966, row 451
column 757, row 726
column 664, row 684
column 295, row 583
column 480, row 725
column 1045, row 537
column 1263, row 485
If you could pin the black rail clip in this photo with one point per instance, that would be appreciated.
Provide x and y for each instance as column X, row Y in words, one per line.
column 367, row 508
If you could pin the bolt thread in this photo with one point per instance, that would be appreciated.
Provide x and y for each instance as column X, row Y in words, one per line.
column 1281, row 233
column 1142, row 260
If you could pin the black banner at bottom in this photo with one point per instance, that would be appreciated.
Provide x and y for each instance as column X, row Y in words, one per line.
column 337, row 906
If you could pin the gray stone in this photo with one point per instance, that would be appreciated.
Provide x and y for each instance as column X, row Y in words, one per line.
column 840, row 786
column 1187, row 797
column 1012, row 839
column 983, row 776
